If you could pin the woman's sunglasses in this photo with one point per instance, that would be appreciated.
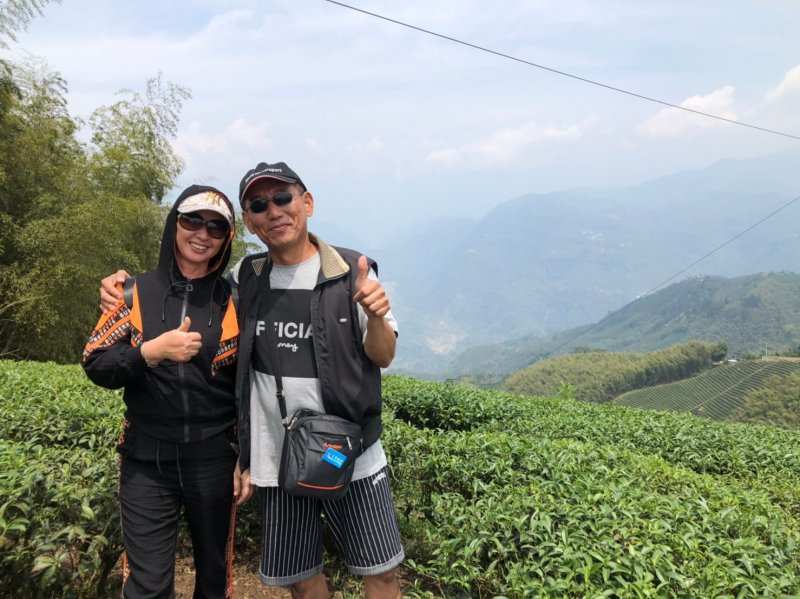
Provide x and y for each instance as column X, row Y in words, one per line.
column 216, row 227
column 282, row 198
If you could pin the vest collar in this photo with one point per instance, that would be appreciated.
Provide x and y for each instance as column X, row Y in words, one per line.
column 332, row 265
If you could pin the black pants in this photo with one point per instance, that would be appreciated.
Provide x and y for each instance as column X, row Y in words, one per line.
column 152, row 494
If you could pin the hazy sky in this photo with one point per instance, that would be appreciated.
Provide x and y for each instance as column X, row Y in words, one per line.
column 390, row 128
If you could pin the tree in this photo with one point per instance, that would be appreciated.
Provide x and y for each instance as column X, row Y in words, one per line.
column 16, row 15
column 132, row 154
column 71, row 212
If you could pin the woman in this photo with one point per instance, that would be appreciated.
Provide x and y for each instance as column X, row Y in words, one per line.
column 172, row 343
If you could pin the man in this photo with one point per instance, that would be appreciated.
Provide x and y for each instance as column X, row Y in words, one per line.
column 330, row 320
column 330, row 352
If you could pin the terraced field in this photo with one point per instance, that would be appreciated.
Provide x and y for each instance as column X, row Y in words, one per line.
column 716, row 393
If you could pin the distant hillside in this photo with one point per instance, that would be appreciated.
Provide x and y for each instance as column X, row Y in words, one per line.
column 601, row 376
column 548, row 262
column 746, row 313
column 719, row 393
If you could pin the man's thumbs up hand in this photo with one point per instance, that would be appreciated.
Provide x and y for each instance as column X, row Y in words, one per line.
column 363, row 272
column 369, row 292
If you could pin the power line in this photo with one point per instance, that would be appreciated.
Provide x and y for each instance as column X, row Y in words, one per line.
column 780, row 208
column 565, row 73
column 724, row 244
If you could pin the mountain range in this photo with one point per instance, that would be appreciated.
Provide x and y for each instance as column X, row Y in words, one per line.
column 751, row 314
column 544, row 263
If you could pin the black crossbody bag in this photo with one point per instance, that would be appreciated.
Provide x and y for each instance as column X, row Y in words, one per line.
column 319, row 450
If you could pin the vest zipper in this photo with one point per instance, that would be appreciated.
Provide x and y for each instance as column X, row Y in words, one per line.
column 181, row 370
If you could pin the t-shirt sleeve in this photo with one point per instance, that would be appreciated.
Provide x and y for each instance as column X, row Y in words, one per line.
column 362, row 316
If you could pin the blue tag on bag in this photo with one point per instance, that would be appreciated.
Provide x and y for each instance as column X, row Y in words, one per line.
column 334, row 458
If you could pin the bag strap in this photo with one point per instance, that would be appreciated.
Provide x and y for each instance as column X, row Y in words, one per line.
column 264, row 289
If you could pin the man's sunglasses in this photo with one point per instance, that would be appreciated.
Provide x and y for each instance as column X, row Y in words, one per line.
column 281, row 198
column 216, row 227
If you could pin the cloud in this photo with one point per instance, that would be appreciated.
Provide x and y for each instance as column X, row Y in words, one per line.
column 447, row 157
column 504, row 145
column 672, row 122
column 240, row 138
column 789, row 85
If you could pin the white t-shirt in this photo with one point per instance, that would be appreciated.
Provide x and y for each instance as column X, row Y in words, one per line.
column 292, row 330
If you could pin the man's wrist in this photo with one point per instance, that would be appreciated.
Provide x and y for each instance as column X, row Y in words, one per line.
column 150, row 354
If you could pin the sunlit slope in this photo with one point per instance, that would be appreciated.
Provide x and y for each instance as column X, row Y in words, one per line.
column 602, row 376
column 716, row 393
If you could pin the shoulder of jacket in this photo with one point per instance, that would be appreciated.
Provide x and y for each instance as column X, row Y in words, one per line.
column 352, row 256
column 346, row 253
column 251, row 264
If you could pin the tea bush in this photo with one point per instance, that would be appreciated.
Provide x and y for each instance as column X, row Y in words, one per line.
column 59, row 527
column 498, row 495
column 502, row 514
column 53, row 404
column 753, row 455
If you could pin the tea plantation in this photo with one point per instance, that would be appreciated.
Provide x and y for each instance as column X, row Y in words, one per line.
column 717, row 393
column 498, row 495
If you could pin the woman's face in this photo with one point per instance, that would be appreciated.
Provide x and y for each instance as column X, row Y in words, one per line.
column 196, row 248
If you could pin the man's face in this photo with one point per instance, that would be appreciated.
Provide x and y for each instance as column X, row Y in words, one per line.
column 279, row 227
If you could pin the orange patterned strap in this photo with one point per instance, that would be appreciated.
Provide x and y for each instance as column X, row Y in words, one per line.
column 228, row 340
column 137, row 337
column 120, row 323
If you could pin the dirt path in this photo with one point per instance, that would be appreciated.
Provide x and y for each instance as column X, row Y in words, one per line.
column 247, row 585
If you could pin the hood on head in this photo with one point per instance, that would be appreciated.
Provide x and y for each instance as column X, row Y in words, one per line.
column 166, row 258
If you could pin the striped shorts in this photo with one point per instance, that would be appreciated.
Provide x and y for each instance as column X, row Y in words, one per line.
column 362, row 523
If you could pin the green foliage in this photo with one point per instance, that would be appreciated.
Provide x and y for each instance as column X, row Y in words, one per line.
column 16, row 15
column 498, row 495
column 756, row 457
column 558, row 498
column 503, row 514
column 59, row 524
column 133, row 153
column 719, row 393
column 601, row 376
column 58, row 322
column 56, row 406
column 59, row 529
column 72, row 213
column 776, row 403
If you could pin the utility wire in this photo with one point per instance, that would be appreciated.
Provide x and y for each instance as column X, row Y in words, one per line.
column 724, row 244
column 779, row 209
column 565, row 73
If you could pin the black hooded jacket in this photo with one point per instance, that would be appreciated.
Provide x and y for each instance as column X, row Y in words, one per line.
column 174, row 402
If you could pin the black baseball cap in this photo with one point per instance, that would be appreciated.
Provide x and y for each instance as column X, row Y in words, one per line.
column 264, row 170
